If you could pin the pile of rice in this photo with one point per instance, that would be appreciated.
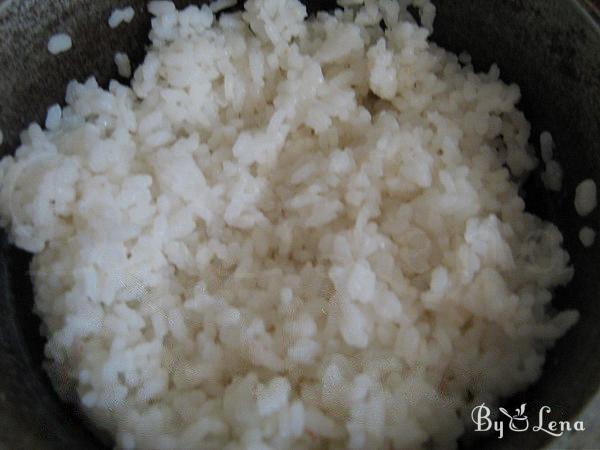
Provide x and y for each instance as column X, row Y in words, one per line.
column 287, row 233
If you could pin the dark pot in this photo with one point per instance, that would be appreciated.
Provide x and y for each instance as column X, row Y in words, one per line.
column 551, row 48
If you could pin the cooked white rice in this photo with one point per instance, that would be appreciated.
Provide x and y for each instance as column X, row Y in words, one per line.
column 120, row 15
column 220, row 5
column 58, row 43
column 552, row 175
column 123, row 64
column 546, row 146
column 53, row 117
column 287, row 233
column 585, row 197
column 587, row 236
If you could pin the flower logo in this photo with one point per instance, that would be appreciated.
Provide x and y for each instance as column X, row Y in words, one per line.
column 519, row 422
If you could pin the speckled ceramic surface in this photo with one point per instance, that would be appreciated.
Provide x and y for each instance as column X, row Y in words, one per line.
column 551, row 48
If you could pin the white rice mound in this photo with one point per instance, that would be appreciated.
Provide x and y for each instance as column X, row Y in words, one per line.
column 287, row 233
